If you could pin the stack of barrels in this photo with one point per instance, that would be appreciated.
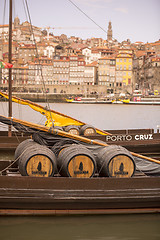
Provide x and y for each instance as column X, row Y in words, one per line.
column 74, row 160
column 84, row 130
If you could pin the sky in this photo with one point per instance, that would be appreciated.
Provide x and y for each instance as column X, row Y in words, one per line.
column 137, row 20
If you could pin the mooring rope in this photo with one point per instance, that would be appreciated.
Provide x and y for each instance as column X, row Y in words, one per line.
column 12, row 162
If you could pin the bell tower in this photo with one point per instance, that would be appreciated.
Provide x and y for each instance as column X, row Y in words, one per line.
column 109, row 32
column 16, row 22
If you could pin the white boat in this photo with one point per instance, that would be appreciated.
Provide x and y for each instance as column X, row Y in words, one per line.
column 144, row 101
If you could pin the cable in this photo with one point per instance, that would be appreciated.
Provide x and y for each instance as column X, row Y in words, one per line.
column 4, row 11
column 88, row 16
column 44, row 92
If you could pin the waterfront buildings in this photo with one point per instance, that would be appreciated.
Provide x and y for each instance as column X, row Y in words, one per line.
column 58, row 60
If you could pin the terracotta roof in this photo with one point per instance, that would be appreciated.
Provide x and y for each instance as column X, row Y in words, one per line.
column 95, row 51
column 138, row 42
column 157, row 59
column 107, row 58
column 93, row 64
column 28, row 47
column 140, row 53
column 3, row 26
column 155, row 44
column 60, row 60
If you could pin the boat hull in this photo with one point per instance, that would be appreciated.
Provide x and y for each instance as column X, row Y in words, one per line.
column 64, row 195
column 90, row 102
column 142, row 103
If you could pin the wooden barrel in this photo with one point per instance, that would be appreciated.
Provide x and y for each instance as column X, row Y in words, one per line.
column 23, row 146
column 73, row 129
column 115, row 161
column 58, row 128
column 87, row 130
column 76, row 161
column 37, row 161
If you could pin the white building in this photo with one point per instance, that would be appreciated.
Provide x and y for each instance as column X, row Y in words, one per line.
column 91, row 55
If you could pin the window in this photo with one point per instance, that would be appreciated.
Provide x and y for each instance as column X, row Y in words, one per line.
column 129, row 81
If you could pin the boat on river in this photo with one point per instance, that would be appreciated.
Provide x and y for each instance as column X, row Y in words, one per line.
column 32, row 189
column 143, row 101
column 81, row 100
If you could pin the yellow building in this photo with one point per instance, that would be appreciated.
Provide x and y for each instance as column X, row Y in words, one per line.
column 124, row 69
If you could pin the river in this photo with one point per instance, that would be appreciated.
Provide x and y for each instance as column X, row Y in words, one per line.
column 109, row 227
column 103, row 116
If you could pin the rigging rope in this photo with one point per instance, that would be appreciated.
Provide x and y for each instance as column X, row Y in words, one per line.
column 43, row 82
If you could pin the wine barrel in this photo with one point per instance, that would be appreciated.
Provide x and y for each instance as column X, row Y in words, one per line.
column 73, row 129
column 76, row 161
column 115, row 161
column 23, row 146
column 37, row 161
column 58, row 128
column 87, row 130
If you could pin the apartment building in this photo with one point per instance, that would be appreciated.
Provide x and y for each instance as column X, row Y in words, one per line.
column 60, row 71
column 90, row 74
column 106, row 72
column 77, row 66
column 123, row 69
column 20, row 76
column 27, row 52
column 91, row 54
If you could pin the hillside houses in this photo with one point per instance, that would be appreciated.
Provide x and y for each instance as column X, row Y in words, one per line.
column 58, row 60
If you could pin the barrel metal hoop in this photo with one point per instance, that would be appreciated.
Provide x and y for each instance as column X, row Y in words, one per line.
column 91, row 142
column 55, row 131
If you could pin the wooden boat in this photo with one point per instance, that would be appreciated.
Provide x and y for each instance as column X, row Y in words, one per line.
column 73, row 195
column 61, row 195
column 56, row 196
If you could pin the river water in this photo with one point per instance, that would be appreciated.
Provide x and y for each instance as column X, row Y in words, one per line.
column 109, row 227
column 103, row 116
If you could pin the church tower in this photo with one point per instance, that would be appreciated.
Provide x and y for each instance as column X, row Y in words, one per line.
column 16, row 22
column 109, row 32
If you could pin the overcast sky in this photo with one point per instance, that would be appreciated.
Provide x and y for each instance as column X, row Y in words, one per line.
column 137, row 20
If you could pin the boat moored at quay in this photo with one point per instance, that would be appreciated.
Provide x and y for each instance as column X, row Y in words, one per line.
column 64, row 170
column 58, row 194
column 67, row 175
column 88, row 100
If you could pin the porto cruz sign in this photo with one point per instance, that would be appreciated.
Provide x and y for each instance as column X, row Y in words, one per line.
column 122, row 138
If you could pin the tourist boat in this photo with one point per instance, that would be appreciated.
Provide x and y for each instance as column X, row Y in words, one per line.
column 89, row 100
column 143, row 101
